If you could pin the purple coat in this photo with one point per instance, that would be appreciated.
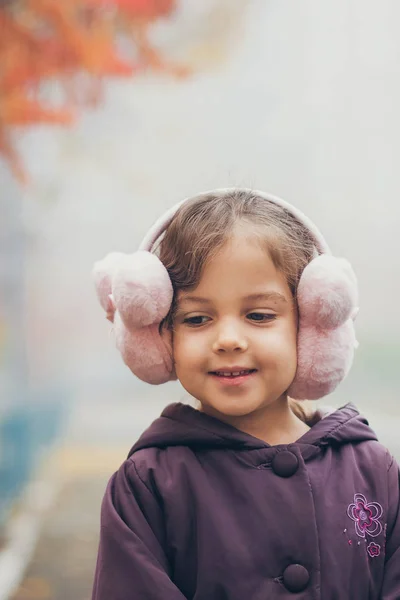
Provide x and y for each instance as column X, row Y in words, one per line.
column 202, row 511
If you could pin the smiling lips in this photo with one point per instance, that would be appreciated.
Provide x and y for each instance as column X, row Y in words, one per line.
column 233, row 376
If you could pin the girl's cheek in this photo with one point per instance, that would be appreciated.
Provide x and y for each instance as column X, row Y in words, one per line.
column 181, row 344
column 189, row 350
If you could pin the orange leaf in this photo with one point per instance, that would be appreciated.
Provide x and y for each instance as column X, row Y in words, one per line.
column 146, row 9
column 17, row 109
column 10, row 155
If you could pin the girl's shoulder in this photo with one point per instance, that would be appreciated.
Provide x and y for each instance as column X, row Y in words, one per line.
column 377, row 466
column 159, row 467
column 374, row 453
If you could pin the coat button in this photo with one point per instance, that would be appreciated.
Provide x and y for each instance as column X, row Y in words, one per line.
column 285, row 463
column 296, row 578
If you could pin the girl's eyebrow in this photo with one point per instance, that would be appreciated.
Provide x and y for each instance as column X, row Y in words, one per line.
column 194, row 299
column 268, row 296
column 276, row 296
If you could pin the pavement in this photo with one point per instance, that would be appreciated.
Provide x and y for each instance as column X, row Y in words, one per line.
column 62, row 564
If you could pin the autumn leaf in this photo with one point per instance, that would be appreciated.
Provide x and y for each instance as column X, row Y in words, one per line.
column 74, row 42
column 17, row 109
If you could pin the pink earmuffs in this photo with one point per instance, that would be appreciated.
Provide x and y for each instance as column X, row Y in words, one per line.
column 136, row 293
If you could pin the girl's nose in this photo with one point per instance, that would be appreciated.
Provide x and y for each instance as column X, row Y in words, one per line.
column 229, row 339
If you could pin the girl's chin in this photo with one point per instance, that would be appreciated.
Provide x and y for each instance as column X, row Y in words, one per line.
column 229, row 408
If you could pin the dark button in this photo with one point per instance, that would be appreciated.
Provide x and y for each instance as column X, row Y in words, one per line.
column 285, row 463
column 296, row 578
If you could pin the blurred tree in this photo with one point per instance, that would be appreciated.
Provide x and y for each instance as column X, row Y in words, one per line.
column 73, row 42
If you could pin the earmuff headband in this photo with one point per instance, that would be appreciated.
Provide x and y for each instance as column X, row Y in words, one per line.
column 162, row 223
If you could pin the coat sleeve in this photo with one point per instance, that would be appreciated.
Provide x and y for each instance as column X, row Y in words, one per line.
column 391, row 581
column 132, row 562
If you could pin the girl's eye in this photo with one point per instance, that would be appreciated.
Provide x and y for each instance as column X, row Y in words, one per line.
column 195, row 321
column 261, row 317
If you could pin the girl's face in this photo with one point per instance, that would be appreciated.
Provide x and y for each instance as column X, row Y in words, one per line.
column 240, row 318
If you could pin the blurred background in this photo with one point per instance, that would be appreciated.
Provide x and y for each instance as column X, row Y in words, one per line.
column 110, row 112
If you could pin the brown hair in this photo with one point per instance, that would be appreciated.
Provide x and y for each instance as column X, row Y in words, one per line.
column 201, row 226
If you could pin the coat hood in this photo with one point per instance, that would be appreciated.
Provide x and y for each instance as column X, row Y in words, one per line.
column 182, row 425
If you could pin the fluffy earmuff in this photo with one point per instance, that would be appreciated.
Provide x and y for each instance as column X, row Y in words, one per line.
column 136, row 293
column 327, row 301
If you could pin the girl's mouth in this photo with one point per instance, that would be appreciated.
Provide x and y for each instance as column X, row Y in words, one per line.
column 234, row 377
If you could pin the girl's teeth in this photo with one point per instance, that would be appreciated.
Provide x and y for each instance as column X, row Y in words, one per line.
column 235, row 374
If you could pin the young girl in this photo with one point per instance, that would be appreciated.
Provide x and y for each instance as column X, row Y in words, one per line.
column 245, row 496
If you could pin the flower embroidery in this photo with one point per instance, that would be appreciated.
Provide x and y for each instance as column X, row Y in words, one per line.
column 366, row 516
column 374, row 549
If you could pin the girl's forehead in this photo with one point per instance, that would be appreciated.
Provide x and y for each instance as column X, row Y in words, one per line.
column 240, row 268
column 241, row 250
